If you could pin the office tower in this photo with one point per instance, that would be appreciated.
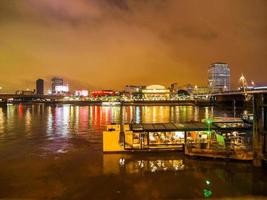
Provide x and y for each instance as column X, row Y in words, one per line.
column 40, row 87
column 219, row 77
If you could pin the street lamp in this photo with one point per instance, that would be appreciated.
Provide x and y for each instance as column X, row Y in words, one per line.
column 242, row 79
column 209, row 122
column 253, row 84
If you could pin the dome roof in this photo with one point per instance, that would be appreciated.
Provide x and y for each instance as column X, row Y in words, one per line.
column 155, row 87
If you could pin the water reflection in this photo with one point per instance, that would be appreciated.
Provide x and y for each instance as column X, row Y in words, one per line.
column 68, row 120
column 28, row 122
column 136, row 164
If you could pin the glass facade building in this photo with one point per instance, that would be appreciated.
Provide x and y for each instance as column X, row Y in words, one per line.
column 219, row 77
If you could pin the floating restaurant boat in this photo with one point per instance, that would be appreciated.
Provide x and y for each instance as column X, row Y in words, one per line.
column 146, row 137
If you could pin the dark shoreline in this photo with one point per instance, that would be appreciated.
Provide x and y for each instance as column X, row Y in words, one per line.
column 136, row 103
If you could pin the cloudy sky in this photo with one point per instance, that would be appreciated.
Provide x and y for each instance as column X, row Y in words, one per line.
column 110, row 43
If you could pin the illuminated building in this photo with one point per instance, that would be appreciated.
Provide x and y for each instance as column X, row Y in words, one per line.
column 156, row 92
column 134, row 88
column 189, row 88
column 56, row 82
column 81, row 93
column 61, row 89
column 40, row 87
column 25, row 92
column 219, row 77
column 173, row 90
column 134, row 91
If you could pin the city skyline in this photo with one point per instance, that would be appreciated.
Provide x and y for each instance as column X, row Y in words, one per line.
column 48, row 85
column 109, row 44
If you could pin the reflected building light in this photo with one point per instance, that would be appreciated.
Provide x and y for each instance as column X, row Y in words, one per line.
column 190, row 113
column 122, row 162
column 108, row 112
column 171, row 114
column 141, row 164
column 65, row 121
column 84, row 118
column 49, row 122
column 2, row 121
column 137, row 115
column 90, row 114
column 154, row 169
column 28, row 121
column 10, row 116
column 154, row 114
column 177, row 113
column 113, row 117
column 206, row 113
column 183, row 112
column 20, row 111
column 99, row 114
column 196, row 113
column 76, row 118
column 131, row 113
column 211, row 112
column 61, row 120
column 71, row 111
column 125, row 116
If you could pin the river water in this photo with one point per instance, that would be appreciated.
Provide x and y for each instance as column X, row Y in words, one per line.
column 55, row 152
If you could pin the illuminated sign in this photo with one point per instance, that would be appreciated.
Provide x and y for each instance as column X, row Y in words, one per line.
column 81, row 93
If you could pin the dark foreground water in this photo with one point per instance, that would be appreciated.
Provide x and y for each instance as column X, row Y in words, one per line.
column 56, row 152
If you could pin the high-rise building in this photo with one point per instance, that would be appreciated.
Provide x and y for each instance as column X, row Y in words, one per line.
column 219, row 77
column 40, row 87
column 56, row 82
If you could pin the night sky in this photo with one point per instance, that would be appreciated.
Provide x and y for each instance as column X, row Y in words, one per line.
column 111, row 43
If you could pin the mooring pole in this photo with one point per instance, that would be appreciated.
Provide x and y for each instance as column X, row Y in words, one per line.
column 257, row 127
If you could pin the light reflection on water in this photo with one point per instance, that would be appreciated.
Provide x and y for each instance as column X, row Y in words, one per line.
column 66, row 120
column 60, row 123
column 56, row 152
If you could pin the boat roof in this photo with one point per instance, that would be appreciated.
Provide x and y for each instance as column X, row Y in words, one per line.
column 189, row 126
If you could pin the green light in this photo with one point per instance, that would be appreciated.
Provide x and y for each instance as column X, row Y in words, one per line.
column 207, row 193
column 209, row 121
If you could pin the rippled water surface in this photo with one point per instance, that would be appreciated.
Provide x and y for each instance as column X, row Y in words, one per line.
column 56, row 152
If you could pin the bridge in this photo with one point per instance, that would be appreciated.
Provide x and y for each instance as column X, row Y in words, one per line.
column 238, row 92
column 31, row 97
column 237, row 97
